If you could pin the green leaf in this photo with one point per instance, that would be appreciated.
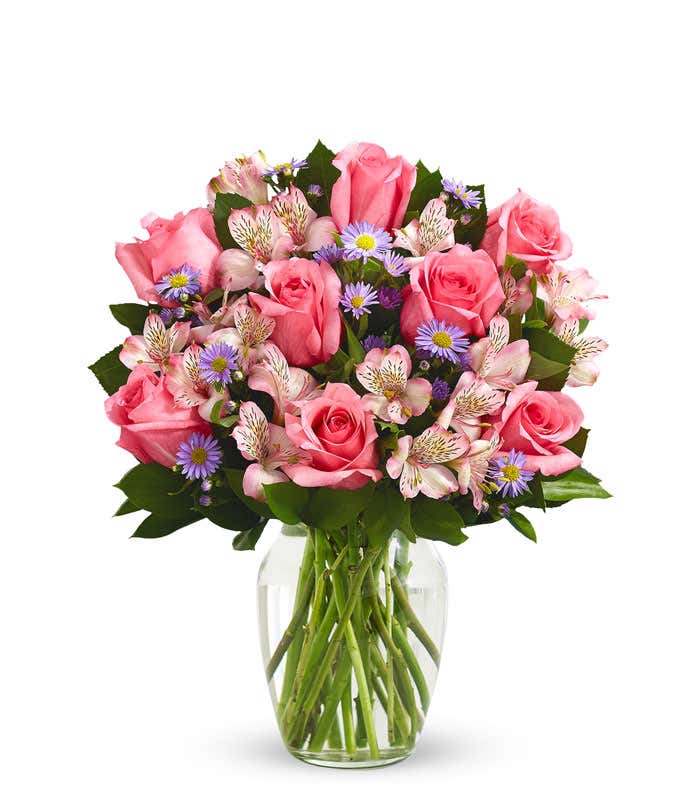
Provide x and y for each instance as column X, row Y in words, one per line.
column 515, row 321
column 226, row 421
column 154, row 488
column 354, row 346
column 320, row 171
column 224, row 204
column 577, row 443
column 247, row 540
column 548, row 345
column 437, row 519
column 125, row 508
column 575, row 484
column 386, row 511
column 535, row 324
column 232, row 514
column 235, row 479
column 473, row 231
column 550, row 358
column 131, row 315
column 287, row 501
column 155, row 526
column 551, row 375
column 517, row 267
column 428, row 186
column 331, row 508
column 110, row 371
column 536, row 490
column 522, row 524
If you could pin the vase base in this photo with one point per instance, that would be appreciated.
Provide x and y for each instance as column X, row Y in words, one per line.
column 360, row 760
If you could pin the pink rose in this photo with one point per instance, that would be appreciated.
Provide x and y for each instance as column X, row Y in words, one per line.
column 186, row 238
column 372, row 187
column 339, row 434
column 528, row 230
column 460, row 287
column 304, row 303
column 151, row 424
column 536, row 423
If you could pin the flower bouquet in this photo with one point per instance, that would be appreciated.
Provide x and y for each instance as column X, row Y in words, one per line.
column 352, row 345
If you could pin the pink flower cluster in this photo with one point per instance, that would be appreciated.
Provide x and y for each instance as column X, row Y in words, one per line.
column 274, row 357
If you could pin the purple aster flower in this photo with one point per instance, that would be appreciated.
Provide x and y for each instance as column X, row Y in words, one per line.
column 206, row 486
column 389, row 297
column 217, row 362
column 465, row 218
column 362, row 240
column 373, row 342
column 468, row 198
column 285, row 168
column 395, row 264
column 199, row 457
column 440, row 389
column 178, row 284
column 315, row 190
column 204, row 500
column 167, row 315
column 464, row 361
column 504, row 510
column 441, row 340
column 357, row 297
column 509, row 473
column 330, row 253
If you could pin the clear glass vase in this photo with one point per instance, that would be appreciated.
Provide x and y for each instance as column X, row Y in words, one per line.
column 351, row 639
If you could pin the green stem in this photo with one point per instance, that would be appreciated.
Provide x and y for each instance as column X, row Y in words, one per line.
column 310, row 629
column 412, row 619
column 331, row 653
column 341, row 683
column 390, row 662
column 412, row 662
column 303, row 594
column 348, row 720
column 358, row 660
column 401, row 714
column 364, row 693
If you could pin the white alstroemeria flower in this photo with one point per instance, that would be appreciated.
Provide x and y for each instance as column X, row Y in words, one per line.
column 470, row 400
column 518, row 295
column 433, row 231
column 417, row 462
column 213, row 321
column 500, row 364
column 283, row 383
column 583, row 371
column 472, row 467
column 156, row 344
column 567, row 293
column 243, row 176
column 299, row 221
column 188, row 388
column 258, row 233
column 248, row 337
column 393, row 397
column 267, row 445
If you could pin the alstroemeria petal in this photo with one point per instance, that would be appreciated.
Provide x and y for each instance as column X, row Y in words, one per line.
column 437, row 481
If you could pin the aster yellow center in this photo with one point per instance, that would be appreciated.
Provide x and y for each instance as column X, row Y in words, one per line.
column 219, row 364
column 178, row 281
column 510, row 472
column 365, row 241
column 357, row 301
column 441, row 339
column 199, row 455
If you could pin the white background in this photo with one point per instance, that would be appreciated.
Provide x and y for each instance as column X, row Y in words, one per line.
column 133, row 666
